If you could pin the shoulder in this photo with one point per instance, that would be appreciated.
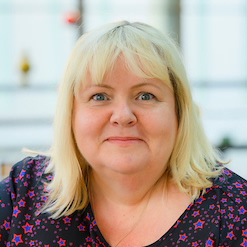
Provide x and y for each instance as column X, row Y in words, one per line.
column 30, row 168
column 228, row 196
column 222, row 210
column 226, row 200
column 18, row 189
column 31, row 165
column 24, row 175
column 232, row 186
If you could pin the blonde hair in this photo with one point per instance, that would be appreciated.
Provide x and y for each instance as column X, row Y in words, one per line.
column 149, row 54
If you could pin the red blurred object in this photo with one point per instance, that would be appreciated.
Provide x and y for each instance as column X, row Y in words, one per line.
column 73, row 16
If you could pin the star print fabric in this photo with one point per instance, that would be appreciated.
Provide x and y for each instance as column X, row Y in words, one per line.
column 218, row 218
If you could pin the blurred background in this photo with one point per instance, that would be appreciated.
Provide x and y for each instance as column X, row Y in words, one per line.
column 36, row 38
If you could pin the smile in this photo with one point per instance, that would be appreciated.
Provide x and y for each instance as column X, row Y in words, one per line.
column 125, row 141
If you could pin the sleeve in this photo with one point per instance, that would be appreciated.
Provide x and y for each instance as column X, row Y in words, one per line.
column 8, row 194
column 235, row 233
column 5, row 210
column 233, row 211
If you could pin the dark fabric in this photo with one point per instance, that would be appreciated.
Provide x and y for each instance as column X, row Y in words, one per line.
column 218, row 218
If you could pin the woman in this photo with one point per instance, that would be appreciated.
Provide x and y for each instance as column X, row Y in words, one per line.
column 130, row 164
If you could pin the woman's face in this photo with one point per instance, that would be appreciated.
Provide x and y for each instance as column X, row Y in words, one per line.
column 126, row 124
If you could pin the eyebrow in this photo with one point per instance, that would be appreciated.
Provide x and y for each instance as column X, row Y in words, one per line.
column 147, row 84
column 135, row 86
column 101, row 85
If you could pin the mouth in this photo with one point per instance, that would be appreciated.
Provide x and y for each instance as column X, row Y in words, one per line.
column 123, row 140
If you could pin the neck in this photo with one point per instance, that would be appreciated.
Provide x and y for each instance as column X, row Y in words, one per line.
column 133, row 202
column 121, row 189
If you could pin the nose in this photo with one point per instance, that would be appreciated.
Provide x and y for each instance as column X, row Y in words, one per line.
column 123, row 115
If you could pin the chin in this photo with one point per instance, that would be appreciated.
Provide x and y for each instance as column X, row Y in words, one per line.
column 127, row 167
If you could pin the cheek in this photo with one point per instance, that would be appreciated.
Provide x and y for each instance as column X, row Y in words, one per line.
column 164, row 132
column 84, row 132
column 162, row 123
column 83, row 124
column 166, row 136
column 87, row 125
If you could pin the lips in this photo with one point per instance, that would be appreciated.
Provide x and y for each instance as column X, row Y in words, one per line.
column 123, row 140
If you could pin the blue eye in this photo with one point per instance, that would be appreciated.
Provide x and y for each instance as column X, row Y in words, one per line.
column 99, row 97
column 146, row 96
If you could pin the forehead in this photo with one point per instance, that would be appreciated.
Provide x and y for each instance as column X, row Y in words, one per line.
column 120, row 76
column 99, row 73
column 123, row 68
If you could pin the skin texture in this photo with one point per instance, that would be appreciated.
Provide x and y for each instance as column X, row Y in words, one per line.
column 126, row 129
column 125, row 125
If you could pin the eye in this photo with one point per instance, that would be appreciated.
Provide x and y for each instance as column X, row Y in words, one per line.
column 145, row 96
column 99, row 97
